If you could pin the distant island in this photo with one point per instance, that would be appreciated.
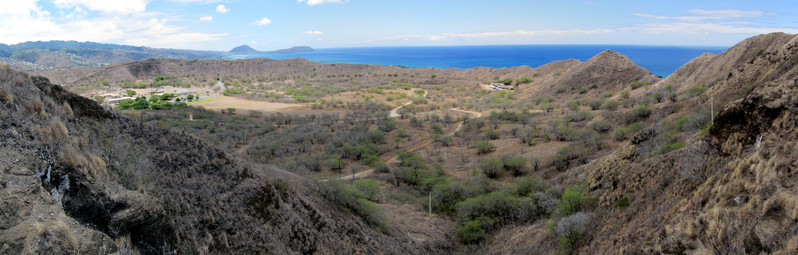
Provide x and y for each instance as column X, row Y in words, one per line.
column 246, row 50
column 48, row 55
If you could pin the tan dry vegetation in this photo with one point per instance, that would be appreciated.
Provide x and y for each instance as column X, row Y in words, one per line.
column 93, row 167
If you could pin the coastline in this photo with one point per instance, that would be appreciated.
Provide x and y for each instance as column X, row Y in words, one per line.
column 660, row 60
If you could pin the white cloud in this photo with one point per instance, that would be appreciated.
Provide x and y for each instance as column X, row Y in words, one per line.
column 222, row 9
column 118, row 7
column 316, row 2
column 701, row 15
column 22, row 20
column 724, row 21
column 262, row 22
column 314, row 32
column 526, row 33
column 704, row 28
column 195, row 1
column 206, row 18
column 25, row 20
column 158, row 33
column 177, row 40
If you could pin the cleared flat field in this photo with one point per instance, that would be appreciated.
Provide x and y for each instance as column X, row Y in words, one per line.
column 244, row 105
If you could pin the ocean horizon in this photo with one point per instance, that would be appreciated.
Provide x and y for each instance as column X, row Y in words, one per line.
column 660, row 60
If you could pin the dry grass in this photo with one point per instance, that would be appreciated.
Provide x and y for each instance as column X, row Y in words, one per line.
column 19, row 80
column 125, row 246
column 90, row 165
column 35, row 105
column 58, row 130
column 61, row 230
column 5, row 95
column 782, row 200
column 56, row 232
column 40, row 229
column 68, row 110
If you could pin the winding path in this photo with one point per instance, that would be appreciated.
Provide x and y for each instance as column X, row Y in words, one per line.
column 389, row 158
column 395, row 111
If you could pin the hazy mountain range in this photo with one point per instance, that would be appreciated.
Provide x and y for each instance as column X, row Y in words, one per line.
column 37, row 56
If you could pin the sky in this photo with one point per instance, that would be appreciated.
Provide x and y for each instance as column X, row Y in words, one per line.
column 276, row 24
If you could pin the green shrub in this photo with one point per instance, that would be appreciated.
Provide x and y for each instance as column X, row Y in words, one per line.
column 693, row 92
column 233, row 91
column 697, row 90
column 611, row 105
column 621, row 134
column 570, row 230
column 658, row 97
column 353, row 199
column 523, row 80
column 412, row 160
column 601, row 126
column 382, row 168
column 484, row 147
column 497, row 205
column 491, row 166
column 637, row 114
column 593, row 103
column 492, row 134
column 529, row 185
column 571, row 202
column 622, row 202
column 669, row 148
column 369, row 188
column 515, row 164
column 637, row 84
column 572, row 105
column 564, row 156
column 471, row 232
column 578, row 116
column 696, row 120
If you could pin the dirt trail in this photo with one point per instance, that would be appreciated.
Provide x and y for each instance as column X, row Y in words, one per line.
column 391, row 157
column 395, row 111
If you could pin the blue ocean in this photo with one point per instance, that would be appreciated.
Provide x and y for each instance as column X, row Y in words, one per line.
column 660, row 60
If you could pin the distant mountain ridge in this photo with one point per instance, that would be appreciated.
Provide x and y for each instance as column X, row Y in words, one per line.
column 47, row 55
column 246, row 50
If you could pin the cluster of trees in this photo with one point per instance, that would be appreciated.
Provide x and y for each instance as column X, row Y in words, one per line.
column 155, row 103
column 492, row 167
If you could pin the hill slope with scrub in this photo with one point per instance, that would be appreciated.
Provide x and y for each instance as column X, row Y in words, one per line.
column 77, row 178
column 580, row 157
